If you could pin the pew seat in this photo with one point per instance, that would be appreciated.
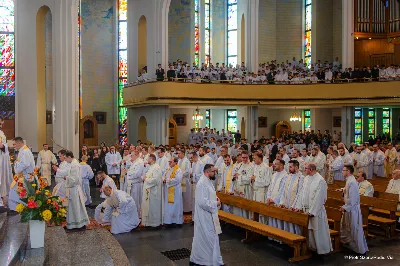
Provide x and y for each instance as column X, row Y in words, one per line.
column 384, row 213
column 385, row 223
column 297, row 242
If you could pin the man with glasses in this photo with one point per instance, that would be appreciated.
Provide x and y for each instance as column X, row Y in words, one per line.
column 243, row 177
column 351, row 231
column 311, row 199
column 173, row 206
column 390, row 160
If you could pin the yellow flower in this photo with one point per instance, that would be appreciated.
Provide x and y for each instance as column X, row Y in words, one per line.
column 47, row 215
column 33, row 185
column 20, row 207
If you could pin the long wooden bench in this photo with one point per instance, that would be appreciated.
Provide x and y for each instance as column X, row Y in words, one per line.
column 299, row 243
column 387, row 224
column 334, row 217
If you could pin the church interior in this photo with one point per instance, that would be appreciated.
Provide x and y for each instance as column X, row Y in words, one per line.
column 83, row 75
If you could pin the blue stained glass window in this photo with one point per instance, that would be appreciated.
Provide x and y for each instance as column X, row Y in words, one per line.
column 358, row 126
column 232, row 121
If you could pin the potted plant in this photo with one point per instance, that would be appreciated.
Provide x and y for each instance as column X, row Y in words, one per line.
column 38, row 206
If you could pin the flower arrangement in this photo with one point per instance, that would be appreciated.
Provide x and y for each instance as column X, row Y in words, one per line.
column 37, row 202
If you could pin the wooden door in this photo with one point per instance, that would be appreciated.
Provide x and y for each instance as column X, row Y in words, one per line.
column 172, row 132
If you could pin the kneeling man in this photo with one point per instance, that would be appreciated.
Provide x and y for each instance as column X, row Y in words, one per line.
column 119, row 210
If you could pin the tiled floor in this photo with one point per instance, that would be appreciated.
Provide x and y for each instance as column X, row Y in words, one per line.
column 144, row 248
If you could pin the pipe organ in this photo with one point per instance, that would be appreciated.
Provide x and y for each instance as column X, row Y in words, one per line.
column 377, row 16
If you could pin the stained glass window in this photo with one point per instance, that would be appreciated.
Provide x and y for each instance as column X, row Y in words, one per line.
column 386, row 121
column 207, row 31
column 371, row 122
column 358, row 126
column 7, row 38
column 307, row 33
column 122, row 69
column 307, row 120
column 232, row 121
column 208, row 118
column 196, row 32
column 232, row 17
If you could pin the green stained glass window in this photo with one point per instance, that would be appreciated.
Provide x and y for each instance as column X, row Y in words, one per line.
column 232, row 120
column 122, row 69
column 371, row 122
column 358, row 125
column 307, row 120
column 386, row 121
column 208, row 118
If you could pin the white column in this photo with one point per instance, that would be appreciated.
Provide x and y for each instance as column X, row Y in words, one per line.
column 65, row 69
column 252, row 35
column 348, row 33
column 347, row 125
column 252, row 123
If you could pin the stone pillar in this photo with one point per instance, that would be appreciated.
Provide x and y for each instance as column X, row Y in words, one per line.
column 252, row 36
column 348, row 34
column 65, row 69
column 347, row 125
column 251, row 123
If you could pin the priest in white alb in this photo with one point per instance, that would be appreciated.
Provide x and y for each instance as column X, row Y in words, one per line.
column 152, row 194
column 390, row 159
column 119, row 210
column 77, row 217
column 360, row 161
column 135, row 181
column 196, row 173
column 113, row 161
column 351, row 230
column 86, row 174
column 23, row 167
column 61, row 173
column 336, row 166
column 243, row 178
column 292, row 184
column 5, row 166
column 184, row 165
column 107, row 181
column 378, row 161
column 394, row 185
column 205, row 246
column 310, row 200
column 44, row 160
column 173, row 206
column 275, row 189
column 261, row 179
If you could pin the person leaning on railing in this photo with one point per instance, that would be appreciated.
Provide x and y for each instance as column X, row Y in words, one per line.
column 160, row 73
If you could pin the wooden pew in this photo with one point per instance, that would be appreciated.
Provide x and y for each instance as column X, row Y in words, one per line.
column 298, row 242
column 388, row 224
column 379, row 185
column 334, row 215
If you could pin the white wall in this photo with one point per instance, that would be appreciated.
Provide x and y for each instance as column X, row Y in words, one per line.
column 65, row 81
column 322, row 119
column 157, row 123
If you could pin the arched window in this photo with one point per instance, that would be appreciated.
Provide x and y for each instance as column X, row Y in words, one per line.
column 358, row 126
column 122, row 69
column 232, row 17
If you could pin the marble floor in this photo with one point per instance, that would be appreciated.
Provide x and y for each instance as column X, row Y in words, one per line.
column 144, row 247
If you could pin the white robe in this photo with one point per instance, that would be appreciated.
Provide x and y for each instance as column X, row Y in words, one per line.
column 108, row 181
column 394, row 188
column 242, row 186
column 163, row 163
column 44, row 161
column 6, row 176
column 23, row 166
column 205, row 246
column 110, row 159
column 197, row 172
column 152, row 197
column 370, row 166
column 290, row 189
column 120, row 211
column 263, row 174
column 173, row 212
column 311, row 199
column 135, row 182
column 379, row 163
column 76, row 212
column 206, row 159
column 336, row 167
column 275, row 191
column 366, row 188
column 86, row 174
column 351, row 230
column 184, row 165
column 362, row 163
